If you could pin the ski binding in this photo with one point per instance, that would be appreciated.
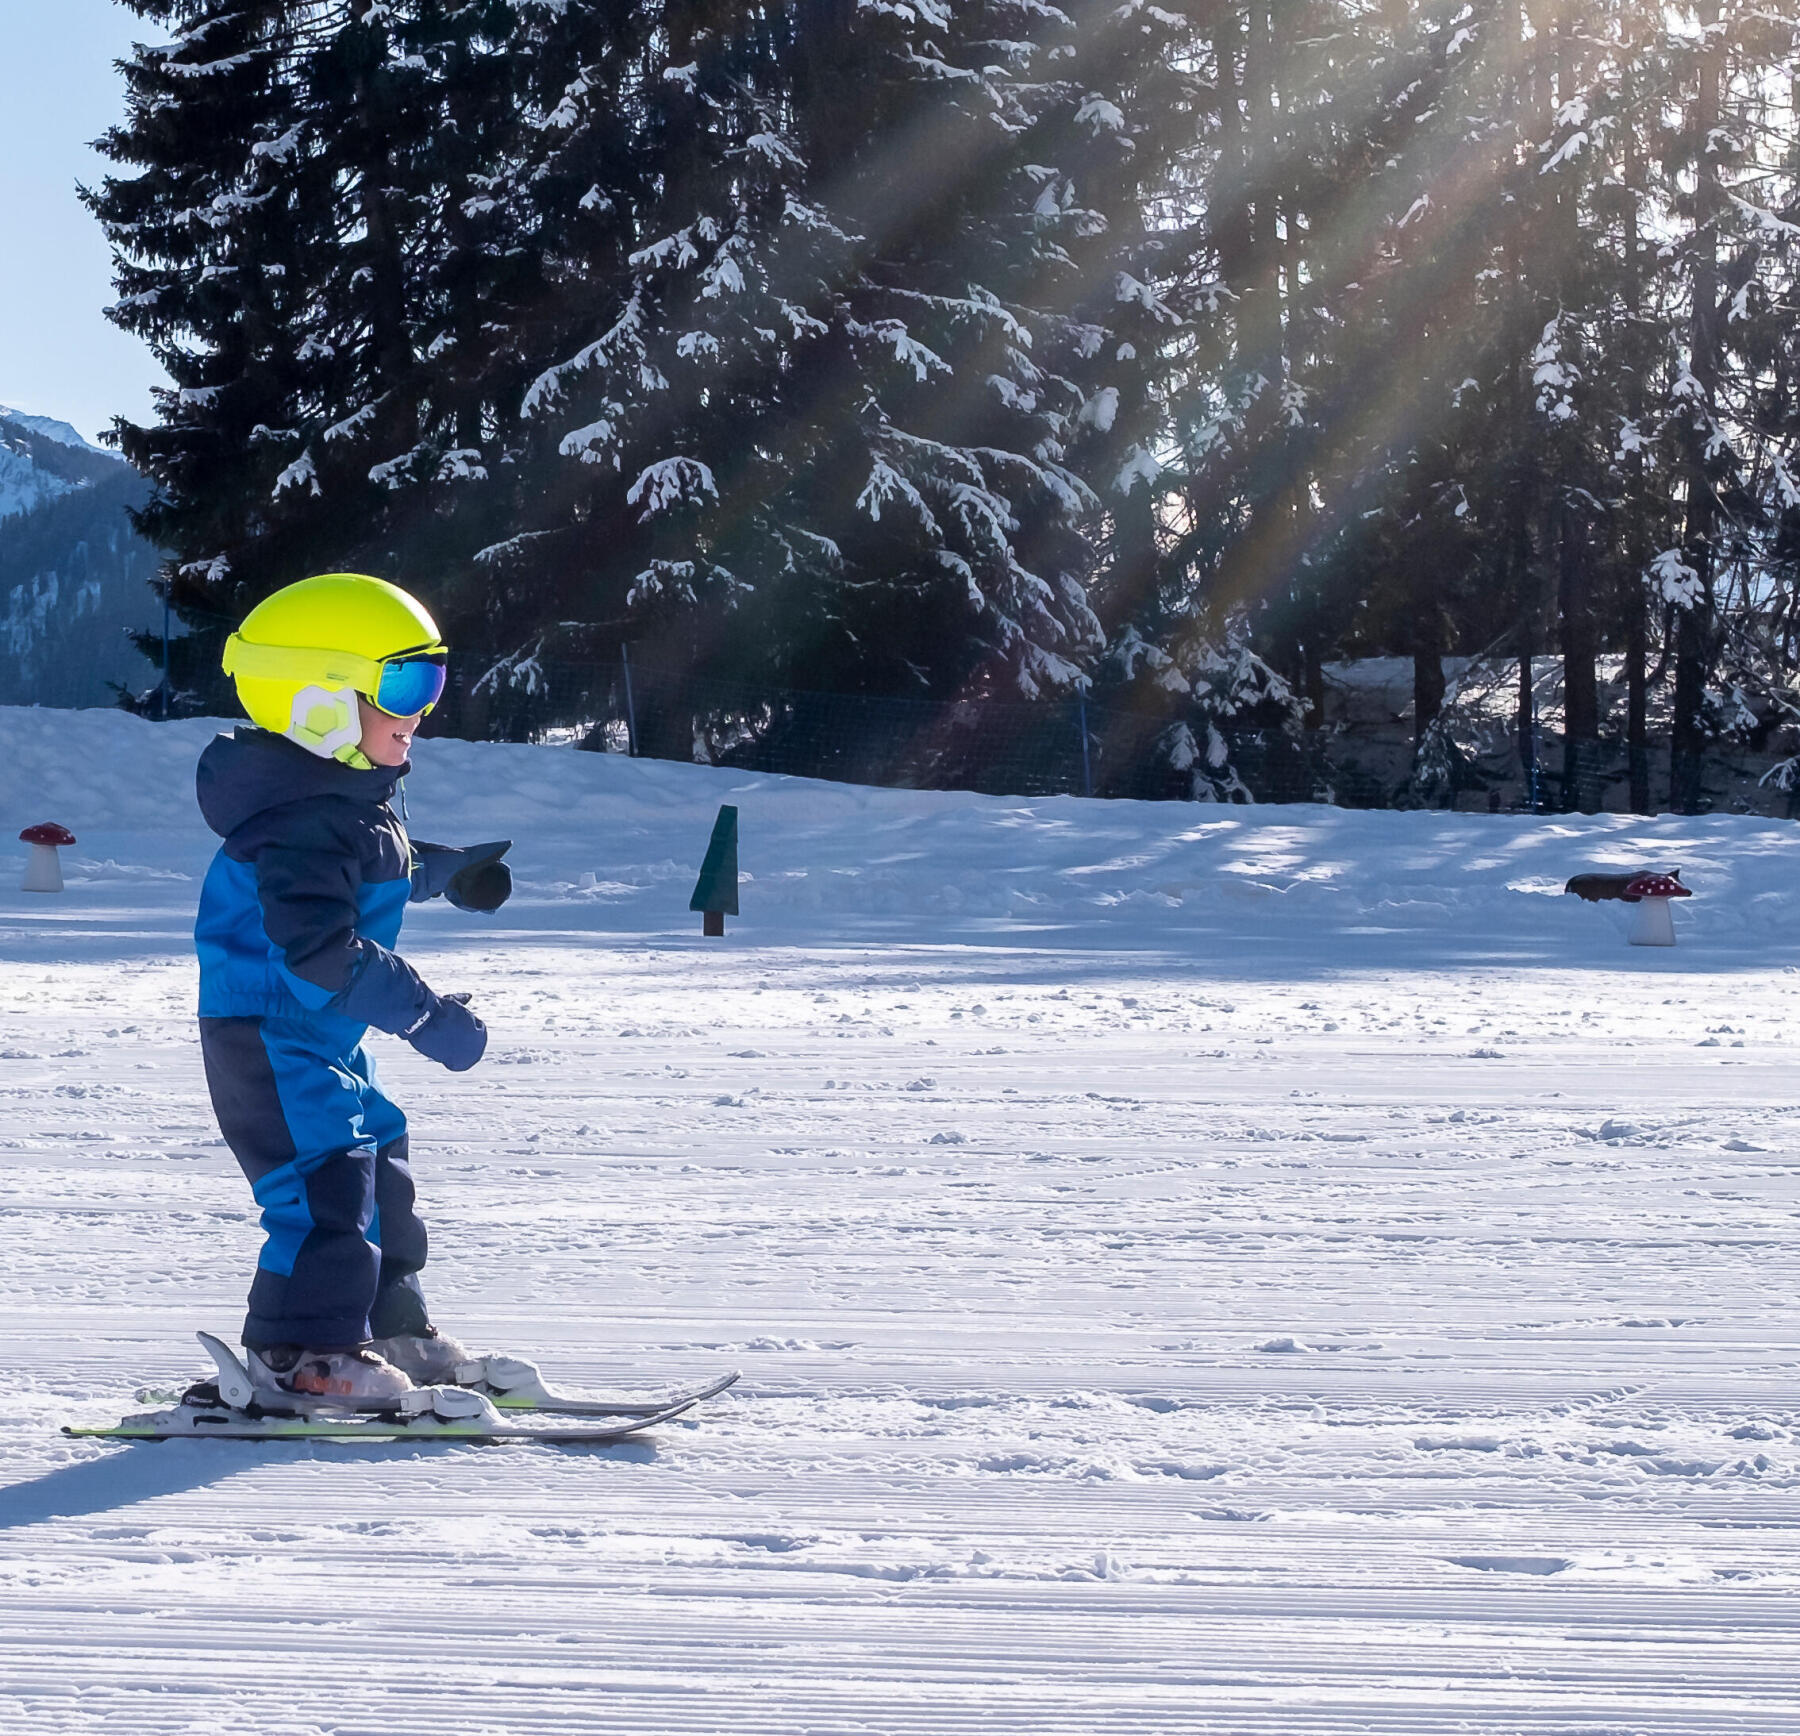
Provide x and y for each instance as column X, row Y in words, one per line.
column 512, row 1384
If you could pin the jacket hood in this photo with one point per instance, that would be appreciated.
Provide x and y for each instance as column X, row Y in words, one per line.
column 244, row 773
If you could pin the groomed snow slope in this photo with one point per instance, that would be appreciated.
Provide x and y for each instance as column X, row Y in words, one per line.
column 1271, row 1271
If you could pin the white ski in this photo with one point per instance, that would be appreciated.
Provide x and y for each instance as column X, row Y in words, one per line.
column 232, row 1407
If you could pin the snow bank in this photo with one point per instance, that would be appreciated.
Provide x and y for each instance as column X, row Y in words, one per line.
column 613, row 844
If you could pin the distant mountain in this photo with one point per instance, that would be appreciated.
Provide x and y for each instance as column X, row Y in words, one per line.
column 51, row 429
column 74, row 575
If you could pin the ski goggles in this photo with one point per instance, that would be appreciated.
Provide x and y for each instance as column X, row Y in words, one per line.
column 404, row 685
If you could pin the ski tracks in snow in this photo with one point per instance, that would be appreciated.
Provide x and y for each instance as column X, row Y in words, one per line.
column 1124, row 1349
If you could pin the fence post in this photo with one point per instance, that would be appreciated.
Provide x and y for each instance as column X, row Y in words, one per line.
column 631, row 739
column 1087, row 769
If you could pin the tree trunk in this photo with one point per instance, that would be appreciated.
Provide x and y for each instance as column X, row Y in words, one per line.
column 390, row 348
column 1632, row 601
column 1636, row 697
column 1693, row 633
column 1515, row 99
column 1313, row 664
column 1687, row 739
column 1260, row 317
column 1428, row 662
column 1521, row 581
column 1567, row 529
column 1581, row 690
column 1527, row 721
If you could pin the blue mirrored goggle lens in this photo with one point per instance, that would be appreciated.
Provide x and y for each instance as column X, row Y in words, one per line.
column 410, row 685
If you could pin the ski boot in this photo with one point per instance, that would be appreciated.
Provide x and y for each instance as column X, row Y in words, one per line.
column 426, row 1358
column 358, row 1379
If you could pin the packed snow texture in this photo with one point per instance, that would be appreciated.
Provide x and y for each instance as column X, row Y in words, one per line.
column 1202, row 1269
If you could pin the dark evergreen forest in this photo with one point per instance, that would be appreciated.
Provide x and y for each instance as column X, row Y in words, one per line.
column 74, row 580
column 992, row 353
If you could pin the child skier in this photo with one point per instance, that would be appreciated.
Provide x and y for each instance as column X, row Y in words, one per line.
column 298, row 917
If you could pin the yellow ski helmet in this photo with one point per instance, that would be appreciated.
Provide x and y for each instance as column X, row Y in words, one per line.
column 303, row 654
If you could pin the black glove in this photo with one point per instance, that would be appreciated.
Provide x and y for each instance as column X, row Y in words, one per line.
column 484, row 885
column 456, row 874
column 449, row 1033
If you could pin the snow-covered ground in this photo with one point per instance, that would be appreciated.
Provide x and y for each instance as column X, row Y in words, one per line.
column 1226, row 1270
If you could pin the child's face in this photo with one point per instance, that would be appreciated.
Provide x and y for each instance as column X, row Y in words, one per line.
column 387, row 741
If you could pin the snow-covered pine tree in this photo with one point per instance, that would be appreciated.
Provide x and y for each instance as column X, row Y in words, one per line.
column 1542, row 403
column 1634, row 343
column 395, row 417
column 1608, row 469
column 1732, row 161
column 658, row 178
column 301, row 245
column 1455, row 354
column 423, row 99
column 559, row 191
column 1512, row 273
column 1601, row 202
column 1155, row 329
column 934, row 154
column 800, row 432
column 1282, row 107
column 205, row 240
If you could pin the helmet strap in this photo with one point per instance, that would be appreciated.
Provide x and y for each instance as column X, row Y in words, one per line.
column 324, row 721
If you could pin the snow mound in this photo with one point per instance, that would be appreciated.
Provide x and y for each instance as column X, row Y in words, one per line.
column 613, row 844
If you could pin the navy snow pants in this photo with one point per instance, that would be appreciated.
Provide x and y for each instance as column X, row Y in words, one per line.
column 325, row 1153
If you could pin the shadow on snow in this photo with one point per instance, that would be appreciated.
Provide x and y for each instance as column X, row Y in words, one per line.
column 125, row 1474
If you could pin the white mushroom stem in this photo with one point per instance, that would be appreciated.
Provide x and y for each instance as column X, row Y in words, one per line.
column 43, row 871
column 1653, row 925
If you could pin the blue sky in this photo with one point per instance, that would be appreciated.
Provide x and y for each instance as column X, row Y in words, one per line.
column 58, row 354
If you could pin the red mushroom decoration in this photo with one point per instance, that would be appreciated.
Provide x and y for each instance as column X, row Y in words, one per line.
column 1651, row 893
column 1654, row 886
column 43, row 873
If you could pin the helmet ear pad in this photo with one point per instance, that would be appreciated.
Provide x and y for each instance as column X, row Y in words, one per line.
column 322, row 720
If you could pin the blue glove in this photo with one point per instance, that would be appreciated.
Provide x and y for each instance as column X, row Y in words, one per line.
column 449, row 1033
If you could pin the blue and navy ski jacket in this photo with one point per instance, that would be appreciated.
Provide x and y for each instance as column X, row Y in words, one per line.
column 301, row 907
